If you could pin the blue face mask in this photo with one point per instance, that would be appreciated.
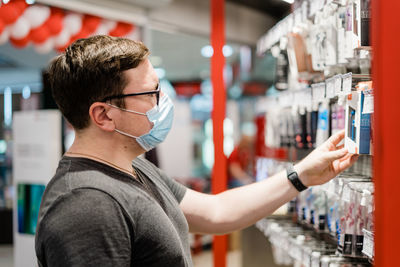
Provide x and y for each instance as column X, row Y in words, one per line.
column 161, row 117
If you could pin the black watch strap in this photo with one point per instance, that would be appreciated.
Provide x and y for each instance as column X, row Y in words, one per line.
column 294, row 178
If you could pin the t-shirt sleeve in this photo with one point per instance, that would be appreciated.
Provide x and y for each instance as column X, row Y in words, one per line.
column 85, row 228
column 234, row 156
column 176, row 188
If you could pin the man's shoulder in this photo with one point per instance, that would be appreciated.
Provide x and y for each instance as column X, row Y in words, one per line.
column 143, row 163
column 66, row 181
column 81, row 218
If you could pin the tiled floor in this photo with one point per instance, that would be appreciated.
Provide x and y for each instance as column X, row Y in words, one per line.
column 203, row 259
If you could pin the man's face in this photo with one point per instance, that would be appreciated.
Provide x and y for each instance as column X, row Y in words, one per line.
column 140, row 79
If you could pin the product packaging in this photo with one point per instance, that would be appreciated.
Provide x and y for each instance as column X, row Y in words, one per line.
column 323, row 123
column 365, row 17
column 338, row 261
column 354, row 217
column 358, row 122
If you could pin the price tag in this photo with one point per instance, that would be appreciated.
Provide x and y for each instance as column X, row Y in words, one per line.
column 297, row 17
column 316, row 6
column 308, row 98
column 368, row 246
column 330, row 88
column 290, row 22
column 314, row 88
column 346, row 83
column 318, row 92
column 346, row 193
column 368, row 106
column 285, row 99
column 338, row 84
column 298, row 98
column 322, row 91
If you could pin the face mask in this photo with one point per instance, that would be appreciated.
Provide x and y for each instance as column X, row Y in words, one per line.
column 161, row 116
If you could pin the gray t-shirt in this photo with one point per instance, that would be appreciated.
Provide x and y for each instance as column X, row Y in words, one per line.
column 94, row 215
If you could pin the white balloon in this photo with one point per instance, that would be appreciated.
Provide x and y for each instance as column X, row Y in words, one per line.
column 110, row 24
column 134, row 35
column 20, row 28
column 46, row 47
column 101, row 30
column 37, row 15
column 62, row 38
column 73, row 22
column 5, row 35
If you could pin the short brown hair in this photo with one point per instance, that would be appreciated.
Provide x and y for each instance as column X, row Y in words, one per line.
column 90, row 70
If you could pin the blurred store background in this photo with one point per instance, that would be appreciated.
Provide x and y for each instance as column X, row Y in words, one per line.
column 290, row 66
column 177, row 33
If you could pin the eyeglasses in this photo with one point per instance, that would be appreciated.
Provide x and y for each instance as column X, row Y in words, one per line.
column 154, row 92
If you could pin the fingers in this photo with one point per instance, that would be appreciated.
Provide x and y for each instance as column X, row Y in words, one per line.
column 337, row 154
column 336, row 138
column 347, row 163
column 345, row 157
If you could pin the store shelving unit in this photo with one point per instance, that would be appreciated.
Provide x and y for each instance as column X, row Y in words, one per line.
column 384, row 57
column 384, row 25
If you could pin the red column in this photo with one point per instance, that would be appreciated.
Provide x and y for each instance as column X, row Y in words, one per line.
column 386, row 58
column 219, row 178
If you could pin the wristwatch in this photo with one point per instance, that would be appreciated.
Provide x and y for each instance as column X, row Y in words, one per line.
column 294, row 178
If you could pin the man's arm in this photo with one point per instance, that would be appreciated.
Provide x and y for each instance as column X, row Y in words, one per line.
column 240, row 207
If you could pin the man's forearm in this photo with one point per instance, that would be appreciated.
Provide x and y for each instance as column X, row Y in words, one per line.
column 243, row 206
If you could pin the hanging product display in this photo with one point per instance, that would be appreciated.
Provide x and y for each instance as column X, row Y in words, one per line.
column 282, row 69
column 365, row 17
column 333, row 222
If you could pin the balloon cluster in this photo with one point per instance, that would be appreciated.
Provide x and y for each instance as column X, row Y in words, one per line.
column 50, row 28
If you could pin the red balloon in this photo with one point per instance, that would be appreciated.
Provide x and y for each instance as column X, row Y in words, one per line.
column 2, row 26
column 9, row 13
column 20, row 43
column 115, row 32
column 121, row 29
column 55, row 23
column 56, row 10
column 61, row 49
column 21, row 5
column 40, row 34
column 91, row 23
column 82, row 34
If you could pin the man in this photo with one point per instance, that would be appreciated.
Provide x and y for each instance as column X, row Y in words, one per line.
column 107, row 207
column 241, row 162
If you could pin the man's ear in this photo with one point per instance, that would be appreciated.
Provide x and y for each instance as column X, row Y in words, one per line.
column 101, row 115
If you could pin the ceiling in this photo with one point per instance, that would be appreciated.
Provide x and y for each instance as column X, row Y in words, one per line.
column 277, row 9
column 180, row 56
column 180, row 53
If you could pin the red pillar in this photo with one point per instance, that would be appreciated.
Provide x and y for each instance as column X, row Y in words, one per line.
column 219, row 179
column 386, row 58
